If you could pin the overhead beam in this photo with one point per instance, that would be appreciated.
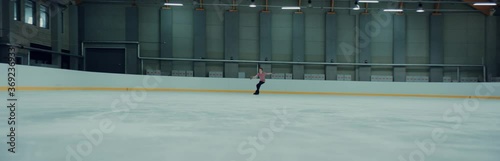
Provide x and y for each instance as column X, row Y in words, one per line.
column 486, row 10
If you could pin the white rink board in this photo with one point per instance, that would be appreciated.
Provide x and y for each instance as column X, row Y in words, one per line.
column 48, row 77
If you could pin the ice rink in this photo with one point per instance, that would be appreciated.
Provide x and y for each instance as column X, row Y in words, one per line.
column 183, row 126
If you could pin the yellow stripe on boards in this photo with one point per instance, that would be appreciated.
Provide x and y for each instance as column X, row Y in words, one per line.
column 23, row 88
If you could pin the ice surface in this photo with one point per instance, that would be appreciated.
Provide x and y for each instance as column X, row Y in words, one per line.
column 169, row 126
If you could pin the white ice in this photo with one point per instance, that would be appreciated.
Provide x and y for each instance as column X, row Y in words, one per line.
column 178, row 126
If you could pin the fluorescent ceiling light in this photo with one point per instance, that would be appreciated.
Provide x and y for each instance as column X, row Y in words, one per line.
column 485, row 4
column 420, row 8
column 174, row 4
column 356, row 7
column 393, row 10
column 368, row 1
column 290, row 8
column 253, row 4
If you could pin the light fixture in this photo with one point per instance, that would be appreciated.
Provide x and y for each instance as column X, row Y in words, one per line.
column 368, row 1
column 309, row 4
column 485, row 4
column 393, row 10
column 420, row 8
column 356, row 5
column 173, row 4
column 253, row 4
column 290, row 8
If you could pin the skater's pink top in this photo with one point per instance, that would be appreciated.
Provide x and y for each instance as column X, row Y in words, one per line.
column 262, row 76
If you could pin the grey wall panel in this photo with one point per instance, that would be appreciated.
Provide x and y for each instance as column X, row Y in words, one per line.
column 298, row 44
column 105, row 22
column 497, row 57
column 298, row 71
column 199, row 44
column 73, row 30
column 436, row 47
column 81, row 34
column 166, row 23
column 81, row 22
column 200, row 32
column 231, row 70
column 491, row 47
column 200, row 69
column 399, row 47
column 331, row 72
column 331, row 38
column 56, row 36
column 231, row 35
column 231, row 43
column 298, row 37
column 365, row 51
column 132, row 34
column 5, row 20
column 265, row 41
column 330, row 45
column 132, row 24
column 132, row 60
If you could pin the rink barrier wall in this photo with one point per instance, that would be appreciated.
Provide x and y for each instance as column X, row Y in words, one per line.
column 241, row 91
column 47, row 79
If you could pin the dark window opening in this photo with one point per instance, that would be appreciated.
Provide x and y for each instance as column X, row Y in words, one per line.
column 40, row 58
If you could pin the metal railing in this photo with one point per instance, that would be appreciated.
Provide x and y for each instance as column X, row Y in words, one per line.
column 22, row 47
column 457, row 66
column 28, row 54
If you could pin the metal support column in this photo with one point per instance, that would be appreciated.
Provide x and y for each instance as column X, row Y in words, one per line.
column 73, row 37
column 399, row 47
column 265, row 46
column 199, row 44
column 132, row 34
column 436, row 47
column 365, row 50
column 56, row 35
column 298, row 46
column 491, row 35
column 331, row 45
column 166, row 49
column 231, row 43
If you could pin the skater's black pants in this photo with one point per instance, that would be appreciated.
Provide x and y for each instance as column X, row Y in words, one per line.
column 258, row 87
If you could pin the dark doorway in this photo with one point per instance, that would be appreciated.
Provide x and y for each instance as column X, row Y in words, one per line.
column 65, row 63
column 105, row 60
column 39, row 58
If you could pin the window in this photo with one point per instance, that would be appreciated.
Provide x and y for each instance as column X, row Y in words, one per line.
column 29, row 12
column 17, row 10
column 44, row 16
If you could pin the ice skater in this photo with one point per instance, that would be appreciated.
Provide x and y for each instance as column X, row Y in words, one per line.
column 262, row 76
